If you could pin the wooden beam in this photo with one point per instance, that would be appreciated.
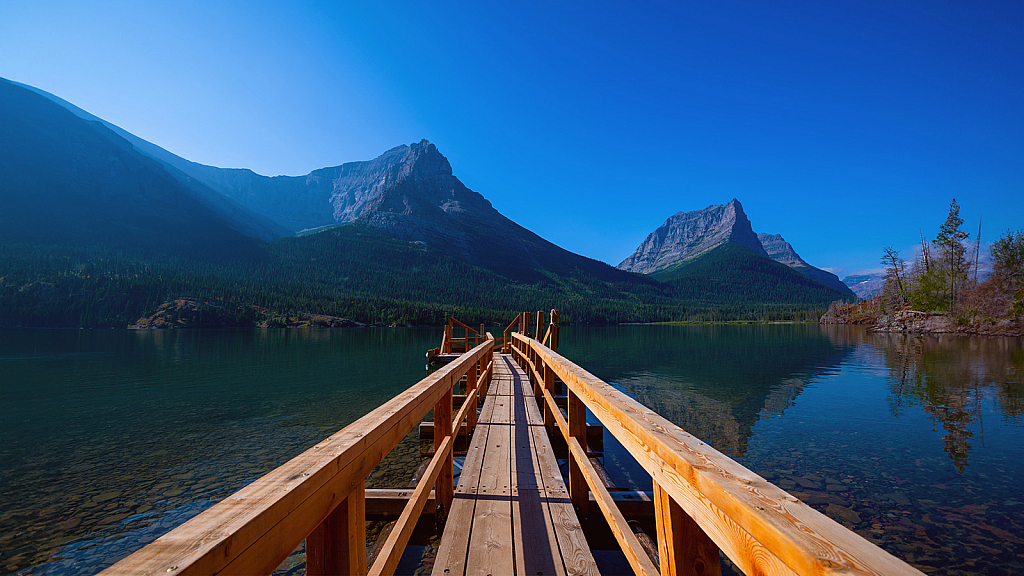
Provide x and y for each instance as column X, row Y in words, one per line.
column 576, row 415
column 338, row 544
column 472, row 384
column 635, row 554
column 548, row 391
column 554, row 330
column 468, row 408
column 683, row 548
column 443, row 489
column 391, row 551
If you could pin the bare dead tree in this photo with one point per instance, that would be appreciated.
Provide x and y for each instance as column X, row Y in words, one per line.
column 895, row 266
column 925, row 253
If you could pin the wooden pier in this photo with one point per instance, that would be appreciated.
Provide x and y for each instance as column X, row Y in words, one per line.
column 513, row 511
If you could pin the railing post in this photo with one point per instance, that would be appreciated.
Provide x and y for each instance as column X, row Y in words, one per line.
column 539, row 332
column 444, row 491
column 338, row 544
column 471, row 379
column 683, row 548
column 554, row 331
column 538, row 382
column 549, row 385
column 447, row 347
column 579, row 492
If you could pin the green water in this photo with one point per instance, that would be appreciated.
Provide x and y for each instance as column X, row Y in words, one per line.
column 110, row 438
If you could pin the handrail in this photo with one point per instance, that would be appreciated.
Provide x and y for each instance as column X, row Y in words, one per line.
column 760, row 527
column 506, row 340
column 318, row 495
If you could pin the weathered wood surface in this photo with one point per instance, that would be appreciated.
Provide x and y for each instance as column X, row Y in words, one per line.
column 762, row 529
column 511, row 513
column 255, row 529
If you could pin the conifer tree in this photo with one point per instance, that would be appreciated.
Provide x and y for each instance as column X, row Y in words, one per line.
column 950, row 243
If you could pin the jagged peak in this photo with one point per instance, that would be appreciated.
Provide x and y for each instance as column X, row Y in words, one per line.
column 687, row 235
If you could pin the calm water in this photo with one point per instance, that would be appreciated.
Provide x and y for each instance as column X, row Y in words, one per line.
column 109, row 438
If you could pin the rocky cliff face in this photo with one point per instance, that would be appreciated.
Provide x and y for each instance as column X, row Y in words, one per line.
column 781, row 251
column 687, row 235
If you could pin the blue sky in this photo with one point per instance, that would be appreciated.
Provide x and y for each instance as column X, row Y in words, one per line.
column 843, row 126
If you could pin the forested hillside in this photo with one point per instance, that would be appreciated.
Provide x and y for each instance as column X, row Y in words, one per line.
column 351, row 272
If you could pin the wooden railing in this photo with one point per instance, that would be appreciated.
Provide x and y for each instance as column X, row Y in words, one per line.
column 319, row 496
column 704, row 501
column 451, row 344
column 522, row 325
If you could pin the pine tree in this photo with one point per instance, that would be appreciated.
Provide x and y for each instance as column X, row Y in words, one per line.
column 950, row 242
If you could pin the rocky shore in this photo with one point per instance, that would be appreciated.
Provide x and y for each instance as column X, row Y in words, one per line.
column 917, row 322
column 191, row 313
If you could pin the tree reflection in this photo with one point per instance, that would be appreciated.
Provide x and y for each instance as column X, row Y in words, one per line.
column 948, row 376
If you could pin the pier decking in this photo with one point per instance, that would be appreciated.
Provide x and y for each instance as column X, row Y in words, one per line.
column 512, row 511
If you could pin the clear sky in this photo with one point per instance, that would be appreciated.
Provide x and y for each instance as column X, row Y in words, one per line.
column 844, row 126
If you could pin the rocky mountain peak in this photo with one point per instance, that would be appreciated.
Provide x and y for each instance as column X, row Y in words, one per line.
column 686, row 235
column 780, row 250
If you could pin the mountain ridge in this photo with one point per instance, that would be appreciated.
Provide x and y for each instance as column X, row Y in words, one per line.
column 686, row 235
column 781, row 251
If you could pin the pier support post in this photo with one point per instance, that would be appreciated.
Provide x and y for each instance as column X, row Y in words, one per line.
column 444, row 491
column 554, row 331
column 683, row 548
column 579, row 492
column 338, row 544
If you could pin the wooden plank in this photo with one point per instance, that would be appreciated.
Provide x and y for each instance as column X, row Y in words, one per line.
column 536, row 545
column 391, row 550
column 760, row 527
column 683, row 548
column 490, row 544
column 388, row 503
column 454, row 547
column 573, row 549
column 254, row 529
column 338, row 544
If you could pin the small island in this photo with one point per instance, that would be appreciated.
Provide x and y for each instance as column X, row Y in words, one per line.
column 939, row 290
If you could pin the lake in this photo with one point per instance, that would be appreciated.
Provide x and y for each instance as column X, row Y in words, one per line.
column 110, row 438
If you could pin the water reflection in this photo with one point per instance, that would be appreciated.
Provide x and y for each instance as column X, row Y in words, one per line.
column 948, row 377
column 715, row 381
column 912, row 442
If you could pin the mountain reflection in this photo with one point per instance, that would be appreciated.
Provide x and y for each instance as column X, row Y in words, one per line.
column 715, row 381
column 948, row 376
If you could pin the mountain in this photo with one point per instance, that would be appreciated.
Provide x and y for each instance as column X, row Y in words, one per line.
column 687, row 235
column 239, row 217
column 408, row 193
column 781, row 251
column 734, row 276
column 100, row 228
column 66, row 179
column 714, row 256
column 865, row 286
